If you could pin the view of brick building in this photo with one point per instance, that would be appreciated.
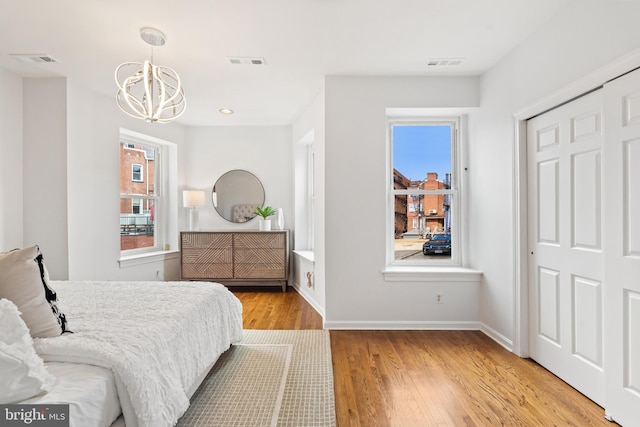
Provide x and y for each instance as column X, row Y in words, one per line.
column 435, row 205
column 137, row 177
column 400, row 204
column 421, row 214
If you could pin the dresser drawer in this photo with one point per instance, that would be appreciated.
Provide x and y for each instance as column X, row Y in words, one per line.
column 207, row 271
column 204, row 240
column 259, row 240
column 259, row 271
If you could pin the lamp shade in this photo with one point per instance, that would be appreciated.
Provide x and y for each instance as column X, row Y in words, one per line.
column 193, row 198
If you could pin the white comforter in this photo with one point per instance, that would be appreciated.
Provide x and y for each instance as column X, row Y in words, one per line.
column 157, row 337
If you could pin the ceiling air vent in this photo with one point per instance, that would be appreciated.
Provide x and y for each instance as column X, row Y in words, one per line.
column 440, row 62
column 246, row 61
column 33, row 57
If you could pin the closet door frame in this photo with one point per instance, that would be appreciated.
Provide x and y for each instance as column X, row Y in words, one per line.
column 588, row 83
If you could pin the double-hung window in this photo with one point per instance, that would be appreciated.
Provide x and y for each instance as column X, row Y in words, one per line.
column 424, row 192
column 143, row 196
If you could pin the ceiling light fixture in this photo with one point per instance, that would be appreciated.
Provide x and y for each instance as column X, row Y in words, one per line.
column 227, row 111
column 149, row 92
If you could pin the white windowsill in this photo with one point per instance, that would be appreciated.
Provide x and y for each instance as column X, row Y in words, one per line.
column 146, row 258
column 307, row 255
column 431, row 274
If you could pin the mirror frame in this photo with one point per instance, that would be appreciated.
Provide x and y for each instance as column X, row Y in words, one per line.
column 236, row 206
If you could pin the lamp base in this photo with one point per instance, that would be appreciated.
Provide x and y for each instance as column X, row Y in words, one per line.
column 194, row 220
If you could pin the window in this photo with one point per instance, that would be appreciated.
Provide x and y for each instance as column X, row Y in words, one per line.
column 304, row 192
column 144, row 178
column 136, row 172
column 423, row 192
column 135, row 206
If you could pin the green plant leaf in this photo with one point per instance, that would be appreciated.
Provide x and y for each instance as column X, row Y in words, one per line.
column 265, row 211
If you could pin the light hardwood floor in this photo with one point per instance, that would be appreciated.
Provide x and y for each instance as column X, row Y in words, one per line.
column 427, row 378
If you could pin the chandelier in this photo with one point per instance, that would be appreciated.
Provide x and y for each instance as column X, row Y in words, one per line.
column 150, row 92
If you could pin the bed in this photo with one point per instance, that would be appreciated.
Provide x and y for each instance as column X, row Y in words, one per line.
column 129, row 353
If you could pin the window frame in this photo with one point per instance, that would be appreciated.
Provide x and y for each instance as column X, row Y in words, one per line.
column 310, row 201
column 160, row 195
column 456, row 191
column 304, row 193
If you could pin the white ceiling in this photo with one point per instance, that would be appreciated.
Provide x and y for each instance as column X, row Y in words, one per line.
column 300, row 40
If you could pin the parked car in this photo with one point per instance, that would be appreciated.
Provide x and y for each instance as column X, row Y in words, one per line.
column 438, row 244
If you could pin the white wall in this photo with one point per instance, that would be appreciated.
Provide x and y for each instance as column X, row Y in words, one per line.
column 44, row 171
column 264, row 151
column 355, row 205
column 584, row 37
column 11, row 222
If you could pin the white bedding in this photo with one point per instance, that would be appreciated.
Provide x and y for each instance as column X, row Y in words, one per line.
column 89, row 390
column 156, row 337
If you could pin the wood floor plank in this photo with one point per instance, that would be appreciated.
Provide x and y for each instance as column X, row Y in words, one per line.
column 427, row 378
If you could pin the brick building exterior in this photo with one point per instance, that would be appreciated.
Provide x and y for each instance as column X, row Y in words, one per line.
column 137, row 176
column 420, row 213
column 435, row 204
column 400, row 208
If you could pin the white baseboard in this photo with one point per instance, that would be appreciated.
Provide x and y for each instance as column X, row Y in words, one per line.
column 308, row 298
column 411, row 326
column 424, row 325
column 497, row 337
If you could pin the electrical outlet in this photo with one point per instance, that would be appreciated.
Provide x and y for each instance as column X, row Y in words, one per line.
column 438, row 298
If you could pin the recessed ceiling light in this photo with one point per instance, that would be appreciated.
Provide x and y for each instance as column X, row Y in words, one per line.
column 225, row 111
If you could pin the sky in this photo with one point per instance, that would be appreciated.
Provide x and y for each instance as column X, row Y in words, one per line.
column 421, row 149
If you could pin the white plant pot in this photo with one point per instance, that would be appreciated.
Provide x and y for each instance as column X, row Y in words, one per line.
column 264, row 225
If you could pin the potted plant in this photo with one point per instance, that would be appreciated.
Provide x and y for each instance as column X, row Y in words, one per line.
column 264, row 224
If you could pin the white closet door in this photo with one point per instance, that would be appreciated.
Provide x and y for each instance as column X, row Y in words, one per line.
column 622, row 246
column 564, row 156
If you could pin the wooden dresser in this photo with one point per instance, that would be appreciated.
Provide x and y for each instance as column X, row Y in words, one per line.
column 236, row 257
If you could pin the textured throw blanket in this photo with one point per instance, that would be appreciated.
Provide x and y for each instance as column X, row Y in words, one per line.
column 157, row 337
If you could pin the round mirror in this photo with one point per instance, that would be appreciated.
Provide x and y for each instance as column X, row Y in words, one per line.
column 236, row 194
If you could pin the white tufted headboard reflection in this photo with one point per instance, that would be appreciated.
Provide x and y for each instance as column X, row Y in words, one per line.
column 243, row 213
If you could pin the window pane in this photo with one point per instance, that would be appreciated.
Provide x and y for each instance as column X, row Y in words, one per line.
column 137, row 178
column 422, row 165
column 137, row 169
column 420, row 150
column 136, row 173
column 137, row 228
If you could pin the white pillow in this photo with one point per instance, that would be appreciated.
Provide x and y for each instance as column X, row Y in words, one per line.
column 22, row 371
column 24, row 280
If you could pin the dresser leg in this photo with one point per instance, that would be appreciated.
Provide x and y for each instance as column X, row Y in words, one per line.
column 284, row 286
